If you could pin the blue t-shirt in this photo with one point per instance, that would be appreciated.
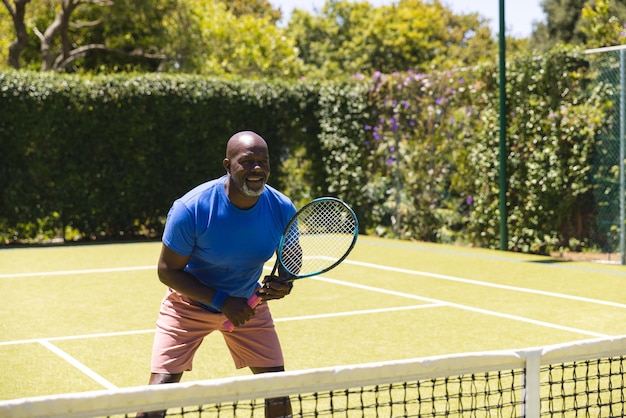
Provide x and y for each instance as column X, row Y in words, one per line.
column 228, row 246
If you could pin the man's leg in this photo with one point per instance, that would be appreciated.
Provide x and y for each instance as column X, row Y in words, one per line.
column 172, row 347
column 255, row 345
column 158, row 379
column 275, row 407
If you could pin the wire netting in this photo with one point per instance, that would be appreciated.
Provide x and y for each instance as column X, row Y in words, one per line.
column 607, row 176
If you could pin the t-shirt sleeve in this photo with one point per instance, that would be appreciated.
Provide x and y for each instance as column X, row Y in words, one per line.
column 179, row 234
column 289, row 213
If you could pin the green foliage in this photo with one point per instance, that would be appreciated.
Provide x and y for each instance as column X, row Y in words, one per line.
column 415, row 154
column 343, row 111
column 258, row 8
column 98, row 36
column 552, row 123
column 355, row 37
column 132, row 30
column 210, row 37
column 109, row 154
column 420, row 133
column 592, row 23
column 6, row 27
column 563, row 18
column 427, row 167
column 601, row 27
column 207, row 38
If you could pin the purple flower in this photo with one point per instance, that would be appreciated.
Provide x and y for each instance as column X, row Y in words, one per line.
column 469, row 200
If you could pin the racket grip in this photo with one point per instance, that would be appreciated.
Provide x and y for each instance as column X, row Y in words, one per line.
column 252, row 302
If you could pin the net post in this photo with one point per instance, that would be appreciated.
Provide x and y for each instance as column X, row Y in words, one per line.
column 532, row 394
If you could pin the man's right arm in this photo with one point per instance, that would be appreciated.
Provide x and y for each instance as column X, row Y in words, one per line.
column 171, row 272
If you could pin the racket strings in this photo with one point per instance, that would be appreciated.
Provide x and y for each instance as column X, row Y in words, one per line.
column 319, row 237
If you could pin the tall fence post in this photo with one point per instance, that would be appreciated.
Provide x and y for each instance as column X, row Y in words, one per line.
column 622, row 119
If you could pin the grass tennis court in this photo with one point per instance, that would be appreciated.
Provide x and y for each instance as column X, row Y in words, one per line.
column 80, row 318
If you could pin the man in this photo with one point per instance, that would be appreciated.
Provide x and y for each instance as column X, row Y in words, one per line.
column 216, row 239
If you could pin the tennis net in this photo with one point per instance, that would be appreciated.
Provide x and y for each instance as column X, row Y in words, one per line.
column 583, row 378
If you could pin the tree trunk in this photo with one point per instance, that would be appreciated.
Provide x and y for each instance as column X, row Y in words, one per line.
column 61, row 26
column 21, row 36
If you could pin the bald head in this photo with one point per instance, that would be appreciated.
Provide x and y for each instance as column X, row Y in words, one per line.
column 245, row 140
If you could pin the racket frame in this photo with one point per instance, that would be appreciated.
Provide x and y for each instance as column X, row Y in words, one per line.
column 294, row 219
column 255, row 299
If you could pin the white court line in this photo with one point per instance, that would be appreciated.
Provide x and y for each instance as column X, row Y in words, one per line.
column 77, row 337
column 363, row 312
column 432, row 303
column 73, row 272
column 487, row 284
column 80, row 366
column 463, row 307
column 405, row 295
column 357, row 263
column 150, row 331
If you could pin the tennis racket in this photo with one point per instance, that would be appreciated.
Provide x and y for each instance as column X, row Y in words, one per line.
column 317, row 238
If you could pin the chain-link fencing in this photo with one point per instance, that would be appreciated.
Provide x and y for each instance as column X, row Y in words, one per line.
column 609, row 67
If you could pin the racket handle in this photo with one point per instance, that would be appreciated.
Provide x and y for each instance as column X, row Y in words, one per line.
column 252, row 302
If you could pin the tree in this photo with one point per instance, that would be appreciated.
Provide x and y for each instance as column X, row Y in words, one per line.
column 326, row 43
column 60, row 26
column 257, row 8
column 565, row 22
column 241, row 37
column 205, row 37
column 17, row 11
column 133, row 32
column 601, row 27
column 350, row 37
column 60, row 35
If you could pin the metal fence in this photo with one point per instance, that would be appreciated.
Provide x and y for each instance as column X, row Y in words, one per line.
column 609, row 67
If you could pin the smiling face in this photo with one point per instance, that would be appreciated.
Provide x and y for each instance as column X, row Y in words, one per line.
column 248, row 168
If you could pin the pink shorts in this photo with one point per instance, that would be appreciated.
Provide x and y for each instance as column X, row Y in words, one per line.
column 182, row 325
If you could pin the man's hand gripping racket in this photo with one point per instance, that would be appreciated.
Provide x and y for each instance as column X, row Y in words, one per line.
column 317, row 238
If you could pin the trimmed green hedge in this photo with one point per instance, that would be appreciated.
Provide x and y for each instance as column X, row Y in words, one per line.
column 105, row 157
column 416, row 155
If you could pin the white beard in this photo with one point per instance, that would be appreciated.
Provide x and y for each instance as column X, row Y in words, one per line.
column 252, row 193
